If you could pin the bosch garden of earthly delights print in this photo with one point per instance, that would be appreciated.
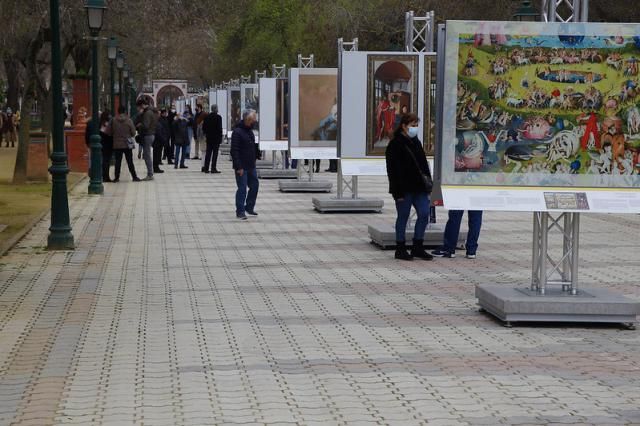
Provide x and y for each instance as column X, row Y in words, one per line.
column 540, row 109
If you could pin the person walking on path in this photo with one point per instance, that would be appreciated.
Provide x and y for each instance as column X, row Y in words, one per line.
column 243, row 154
column 180, row 140
column 410, row 185
column 107, row 144
column 147, row 129
column 452, row 231
column 170, row 148
column 212, row 128
column 123, row 131
column 163, row 133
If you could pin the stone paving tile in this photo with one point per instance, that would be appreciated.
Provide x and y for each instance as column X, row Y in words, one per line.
column 170, row 311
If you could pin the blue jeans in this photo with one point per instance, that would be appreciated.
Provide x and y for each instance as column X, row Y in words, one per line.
column 452, row 230
column 180, row 158
column 420, row 202
column 247, row 202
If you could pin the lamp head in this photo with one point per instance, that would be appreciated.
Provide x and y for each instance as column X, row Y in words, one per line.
column 95, row 14
column 112, row 49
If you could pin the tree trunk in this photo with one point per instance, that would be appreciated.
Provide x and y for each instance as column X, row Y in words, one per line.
column 22, row 157
column 12, row 68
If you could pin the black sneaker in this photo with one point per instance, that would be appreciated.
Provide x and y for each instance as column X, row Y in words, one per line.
column 252, row 212
column 443, row 253
column 241, row 216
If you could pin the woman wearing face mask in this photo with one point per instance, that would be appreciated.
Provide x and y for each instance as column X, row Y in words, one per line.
column 410, row 185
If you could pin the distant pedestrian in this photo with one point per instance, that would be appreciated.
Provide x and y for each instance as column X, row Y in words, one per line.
column 212, row 128
column 147, row 129
column 106, row 138
column 123, row 132
column 169, row 149
column 180, row 140
column 162, row 136
column 243, row 154
column 188, row 115
column 197, row 129
column 452, row 231
column 410, row 185
column 9, row 128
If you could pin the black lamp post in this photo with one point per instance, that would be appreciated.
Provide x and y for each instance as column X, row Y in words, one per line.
column 120, row 65
column 526, row 12
column 133, row 92
column 60, row 236
column 112, row 53
column 125, row 84
column 95, row 13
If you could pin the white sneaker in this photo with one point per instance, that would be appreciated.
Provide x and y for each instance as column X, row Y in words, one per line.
column 470, row 256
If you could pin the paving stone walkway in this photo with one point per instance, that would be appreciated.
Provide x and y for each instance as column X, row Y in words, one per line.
column 170, row 312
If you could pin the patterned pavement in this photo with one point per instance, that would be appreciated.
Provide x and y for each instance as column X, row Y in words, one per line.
column 170, row 312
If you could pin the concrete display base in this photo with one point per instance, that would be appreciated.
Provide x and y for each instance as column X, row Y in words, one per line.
column 592, row 305
column 264, row 164
column 333, row 204
column 225, row 149
column 277, row 174
column 384, row 236
column 305, row 186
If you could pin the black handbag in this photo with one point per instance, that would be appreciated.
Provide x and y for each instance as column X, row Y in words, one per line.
column 426, row 178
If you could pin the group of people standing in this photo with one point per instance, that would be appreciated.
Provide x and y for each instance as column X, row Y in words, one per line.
column 161, row 135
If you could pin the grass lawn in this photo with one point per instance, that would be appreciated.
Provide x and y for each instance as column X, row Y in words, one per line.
column 21, row 204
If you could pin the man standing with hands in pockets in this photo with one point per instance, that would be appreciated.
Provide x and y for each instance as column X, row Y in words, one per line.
column 243, row 154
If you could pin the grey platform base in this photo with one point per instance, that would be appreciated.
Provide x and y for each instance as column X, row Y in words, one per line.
column 277, row 174
column 333, row 204
column 264, row 164
column 384, row 235
column 225, row 149
column 305, row 186
column 592, row 305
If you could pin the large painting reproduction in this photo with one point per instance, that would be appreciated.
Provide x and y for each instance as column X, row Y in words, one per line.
column 250, row 100
column 318, row 110
column 282, row 109
column 391, row 92
column 235, row 107
column 542, row 105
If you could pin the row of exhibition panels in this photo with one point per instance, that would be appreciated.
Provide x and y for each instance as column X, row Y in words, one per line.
column 370, row 90
column 299, row 114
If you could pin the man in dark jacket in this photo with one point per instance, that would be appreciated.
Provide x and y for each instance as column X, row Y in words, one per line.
column 161, row 140
column 212, row 128
column 243, row 154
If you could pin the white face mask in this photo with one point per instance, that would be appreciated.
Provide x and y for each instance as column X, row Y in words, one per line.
column 413, row 132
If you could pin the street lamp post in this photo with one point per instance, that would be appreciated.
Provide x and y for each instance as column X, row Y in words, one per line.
column 119, row 65
column 133, row 92
column 112, row 53
column 125, row 84
column 60, row 236
column 95, row 13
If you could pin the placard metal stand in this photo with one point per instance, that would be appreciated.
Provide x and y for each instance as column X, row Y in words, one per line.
column 561, row 299
column 419, row 37
column 304, row 181
column 346, row 184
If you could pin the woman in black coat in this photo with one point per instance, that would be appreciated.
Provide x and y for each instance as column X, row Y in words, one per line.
column 410, row 185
